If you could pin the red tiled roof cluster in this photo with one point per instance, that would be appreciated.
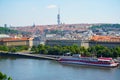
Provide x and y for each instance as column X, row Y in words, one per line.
column 105, row 38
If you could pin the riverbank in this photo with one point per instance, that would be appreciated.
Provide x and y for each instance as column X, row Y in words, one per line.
column 34, row 56
column 29, row 55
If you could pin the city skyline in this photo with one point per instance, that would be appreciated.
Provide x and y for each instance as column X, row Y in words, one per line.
column 29, row 12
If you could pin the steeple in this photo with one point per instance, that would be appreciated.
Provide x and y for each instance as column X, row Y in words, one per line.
column 58, row 17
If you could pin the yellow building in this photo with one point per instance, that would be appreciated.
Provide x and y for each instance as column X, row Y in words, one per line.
column 17, row 41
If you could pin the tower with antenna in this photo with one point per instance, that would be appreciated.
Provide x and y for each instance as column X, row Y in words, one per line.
column 58, row 17
column 33, row 25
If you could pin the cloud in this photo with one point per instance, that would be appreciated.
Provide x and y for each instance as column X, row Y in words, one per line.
column 51, row 6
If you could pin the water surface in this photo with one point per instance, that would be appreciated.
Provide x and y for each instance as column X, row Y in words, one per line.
column 38, row 69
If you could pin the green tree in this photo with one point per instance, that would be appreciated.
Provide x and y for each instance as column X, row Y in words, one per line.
column 4, row 77
column 13, row 49
column 40, row 46
column 23, row 48
column 103, row 51
column 88, row 54
column 65, row 49
column 43, row 51
column 35, row 50
column 3, row 48
column 117, row 51
column 93, row 51
column 83, row 51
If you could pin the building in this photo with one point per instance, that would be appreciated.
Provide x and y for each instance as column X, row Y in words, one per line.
column 37, row 41
column 17, row 41
column 67, row 43
column 4, row 36
column 104, row 43
column 58, row 17
column 105, row 38
column 107, row 41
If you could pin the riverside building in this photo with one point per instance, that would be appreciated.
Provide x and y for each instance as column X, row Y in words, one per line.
column 67, row 43
column 106, row 41
column 23, row 41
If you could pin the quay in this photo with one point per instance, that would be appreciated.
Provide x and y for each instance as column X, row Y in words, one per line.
column 29, row 55
column 35, row 56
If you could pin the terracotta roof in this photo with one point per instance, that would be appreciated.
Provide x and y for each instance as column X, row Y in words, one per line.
column 15, row 39
column 105, row 38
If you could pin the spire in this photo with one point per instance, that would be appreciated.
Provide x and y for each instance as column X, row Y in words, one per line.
column 58, row 17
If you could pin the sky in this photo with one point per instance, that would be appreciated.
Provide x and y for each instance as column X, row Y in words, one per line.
column 44, row 12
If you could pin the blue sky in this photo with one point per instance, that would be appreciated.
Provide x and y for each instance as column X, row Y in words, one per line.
column 43, row 12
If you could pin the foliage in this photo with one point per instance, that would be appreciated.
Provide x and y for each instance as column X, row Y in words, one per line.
column 97, row 50
column 13, row 49
column 4, row 77
column 4, row 30
column 3, row 48
column 106, row 26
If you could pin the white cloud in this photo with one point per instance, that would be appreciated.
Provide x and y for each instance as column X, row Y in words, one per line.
column 51, row 6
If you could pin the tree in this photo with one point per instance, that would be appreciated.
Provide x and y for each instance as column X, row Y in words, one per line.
column 43, row 51
column 103, row 51
column 115, row 54
column 88, row 54
column 4, row 77
column 83, row 51
column 65, row 49
column 93, row 51
column 50, row 51
column 40, row 46
column 117, row 51
column 35, row 49
column 23, row 48
column 3, row 48
column 13, row 49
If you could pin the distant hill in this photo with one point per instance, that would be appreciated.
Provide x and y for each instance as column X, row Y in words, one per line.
column 4, row 30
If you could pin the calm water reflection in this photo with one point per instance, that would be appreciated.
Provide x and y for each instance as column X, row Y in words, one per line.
column 34, row 69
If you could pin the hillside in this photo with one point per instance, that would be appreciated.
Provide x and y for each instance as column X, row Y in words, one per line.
column 4, row 30
column 106, row 26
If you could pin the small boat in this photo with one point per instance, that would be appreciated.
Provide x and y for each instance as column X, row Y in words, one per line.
column 102, row 61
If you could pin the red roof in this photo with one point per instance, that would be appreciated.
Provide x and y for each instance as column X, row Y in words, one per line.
column 15, row 39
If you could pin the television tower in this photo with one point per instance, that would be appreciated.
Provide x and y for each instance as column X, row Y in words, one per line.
column 58, row 17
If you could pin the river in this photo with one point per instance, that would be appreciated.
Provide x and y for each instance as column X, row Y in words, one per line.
column 38, row 69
